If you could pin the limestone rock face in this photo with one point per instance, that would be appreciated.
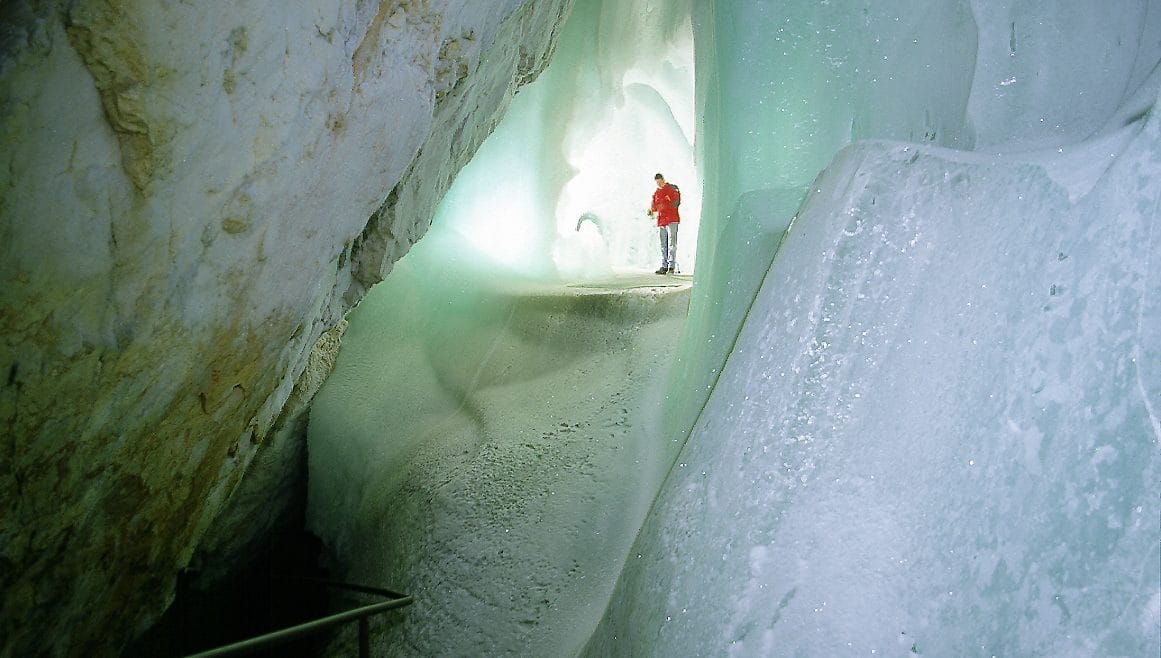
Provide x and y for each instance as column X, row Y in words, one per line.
column 191, row 195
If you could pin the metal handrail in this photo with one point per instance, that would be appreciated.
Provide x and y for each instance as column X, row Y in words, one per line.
column 281, row 635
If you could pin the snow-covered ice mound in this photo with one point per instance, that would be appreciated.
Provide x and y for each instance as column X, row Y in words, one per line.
column 492, row 449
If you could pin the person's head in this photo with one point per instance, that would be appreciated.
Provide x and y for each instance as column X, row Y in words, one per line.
column 660, row 180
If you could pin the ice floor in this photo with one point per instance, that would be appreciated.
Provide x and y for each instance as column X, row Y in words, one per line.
column 492, row 451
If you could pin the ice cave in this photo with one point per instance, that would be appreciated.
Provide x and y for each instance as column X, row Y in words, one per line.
column 928, row 282
column 385, row 270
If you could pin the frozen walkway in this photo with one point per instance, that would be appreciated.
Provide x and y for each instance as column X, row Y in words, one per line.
column 492, row 449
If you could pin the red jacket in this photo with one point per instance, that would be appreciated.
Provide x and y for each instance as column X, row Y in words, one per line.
column 664, row 206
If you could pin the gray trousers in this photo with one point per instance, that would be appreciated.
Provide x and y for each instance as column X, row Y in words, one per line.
column 669, row 245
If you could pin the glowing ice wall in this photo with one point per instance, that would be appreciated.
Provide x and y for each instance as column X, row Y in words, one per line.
column 562, row 185
column 937, row 432
column 781, row 88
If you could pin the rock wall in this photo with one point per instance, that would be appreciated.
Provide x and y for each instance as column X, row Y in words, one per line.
column 190, row 197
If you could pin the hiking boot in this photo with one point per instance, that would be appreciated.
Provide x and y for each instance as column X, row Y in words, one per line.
column 663, row 270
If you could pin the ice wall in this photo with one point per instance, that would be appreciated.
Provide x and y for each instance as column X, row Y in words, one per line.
column 937, row 430
column 781, row 88
column 937, row 433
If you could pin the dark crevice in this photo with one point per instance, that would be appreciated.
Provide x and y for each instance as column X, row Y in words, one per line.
column 264, row 597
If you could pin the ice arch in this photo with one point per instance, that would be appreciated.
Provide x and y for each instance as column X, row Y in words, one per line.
column 561, row 187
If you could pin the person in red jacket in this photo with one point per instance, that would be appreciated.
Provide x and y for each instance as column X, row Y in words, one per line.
column 665, row 201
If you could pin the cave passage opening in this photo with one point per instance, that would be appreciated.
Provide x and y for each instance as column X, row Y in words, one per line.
column 560, row 190
column 493, row 433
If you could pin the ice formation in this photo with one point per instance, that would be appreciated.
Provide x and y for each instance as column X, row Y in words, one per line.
column 576, row 153
column 935, row 433
column 915, row 410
